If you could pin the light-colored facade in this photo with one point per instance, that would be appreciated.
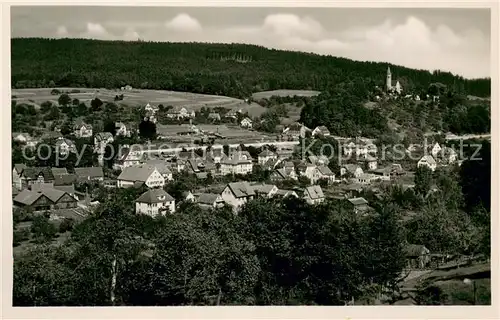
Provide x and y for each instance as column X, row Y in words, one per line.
column 155, row 202
column 149, row 175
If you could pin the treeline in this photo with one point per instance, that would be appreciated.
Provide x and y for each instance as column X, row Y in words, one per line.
column 191, row 67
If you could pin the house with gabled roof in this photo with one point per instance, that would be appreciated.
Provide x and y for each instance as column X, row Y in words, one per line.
column 152, row 109
column 16, row 175
column 127, row 157
column 45, row 199
column 140, row 175
column 239, row 162
column 65, row 146
column 122, row 130
column 265, row 156
column 155, row 202
column 30, row 175
column 180, row 112
column 89, row 174
column 101, row 140
column 435, row 150
column 306, row 170
column 323, row 173
column 162, row 167
column 359, row 205
column 237, row 194
column 282, row 193
column 246, row 123
column 370, row 162
column 353, row 169
column 314, row 194
column 82, row 129
column 265, row 190
column 427, row 161
column 209, row 200
column 321, row 131
column 284, row 174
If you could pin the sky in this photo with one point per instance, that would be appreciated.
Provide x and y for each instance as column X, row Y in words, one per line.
column 455, row 40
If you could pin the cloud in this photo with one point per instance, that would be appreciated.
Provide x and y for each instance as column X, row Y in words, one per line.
column 411, row 43
column 184, row 22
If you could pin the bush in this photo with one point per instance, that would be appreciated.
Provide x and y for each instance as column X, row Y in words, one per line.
column 66, row 225
column 20, row 236
column 55, row 92
column 43, row 230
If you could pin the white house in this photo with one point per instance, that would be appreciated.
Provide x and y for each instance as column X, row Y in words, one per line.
column 436, row 149
column 323, row 172
column 427, row 161
column 17, row 172
column 101, row 140
column 122, row 130
column 237, row 163
column 162, row 167
column 246, row 123
column 314, row 194
column 237, row 194
column 127, row 157
column 65, row 146
column 82, row 129
column 179, row 112
column 307, row 170
column 265, row 156
column 138, row 175
column 353, row 169
column 321, row 130
column 154, row 202
column 370, row 162
column 366, row 178
column 151, row 109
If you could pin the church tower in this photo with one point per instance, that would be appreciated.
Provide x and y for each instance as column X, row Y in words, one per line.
column 388, row 82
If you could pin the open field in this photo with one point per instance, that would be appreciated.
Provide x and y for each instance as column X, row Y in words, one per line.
column 136, row 97
column 285, row 93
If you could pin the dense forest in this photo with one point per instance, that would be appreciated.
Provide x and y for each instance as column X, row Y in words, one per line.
column 200, row 68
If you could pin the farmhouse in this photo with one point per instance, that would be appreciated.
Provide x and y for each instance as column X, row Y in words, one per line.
column 427, row 161
column 237, row 194
column 82, row 129
column 321, row 131
column 139, row 175
column 24, row 176
column 246, row 123
column 155, row 202
column 46, row 199
column 314, row 194
column 89, row 174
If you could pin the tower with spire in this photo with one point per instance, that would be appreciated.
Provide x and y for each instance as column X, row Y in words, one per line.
column 388, row 82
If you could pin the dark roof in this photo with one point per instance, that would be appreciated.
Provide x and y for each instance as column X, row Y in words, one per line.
column 207, row 198
column 358, row 201
column 315, row 192
column 92, row 172
column 64, row 179
column 34, row 172
column 155, row 196
column 136, row 173
column 241, row 189
column 325, row 170
column 28, row 197
column 59, row 171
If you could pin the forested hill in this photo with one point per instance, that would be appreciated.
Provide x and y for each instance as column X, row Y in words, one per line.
column 234, row 70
